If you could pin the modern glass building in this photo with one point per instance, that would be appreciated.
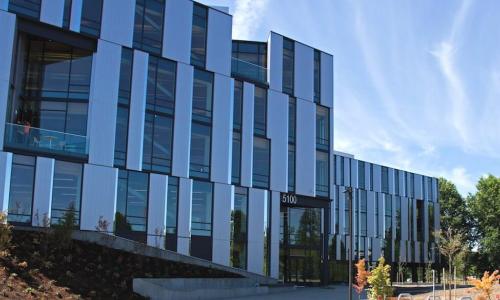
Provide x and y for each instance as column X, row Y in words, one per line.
column 147, row 115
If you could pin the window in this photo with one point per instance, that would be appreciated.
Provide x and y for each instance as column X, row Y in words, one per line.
column 249, row 60
column 22, row 183
column 317, row 76
column 66, row 191
column 199, row 35
column 171, row 222
column 337, row 208
column 363, row 208
column 122, row 115
column 430, row 210
column 260, row 111
column 67, row 13
column 291, row 168
column 267, row 235
column 236, row 158
column 158, row 134
column 420, row 220
column 200, row 151
column 91, row 17
column 347, row 205
column 132, row 205
column 388, row 216
column 288, row 66
column 239, row 223
column 238, row 105
column 371, row 177
column 361, row 174
column 322, row 128
column 202, row 96
column 342, row 170
column 26, row 8
column 322, row 172
column 201, row 218
column 292, row 119
column 398, row 218
column 396, row 182
column 377, row 206
column 160, row 96
column 410, row 219
column 148, row 27
column 261, row 154
column 385, row 180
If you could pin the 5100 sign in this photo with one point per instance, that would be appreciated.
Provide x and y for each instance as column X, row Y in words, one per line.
column 288, row 199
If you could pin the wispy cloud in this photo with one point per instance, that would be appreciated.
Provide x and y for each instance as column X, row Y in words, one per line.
column 462, row 179
column 246, row 17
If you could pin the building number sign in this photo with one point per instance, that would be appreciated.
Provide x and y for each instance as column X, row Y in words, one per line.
column 288, row 199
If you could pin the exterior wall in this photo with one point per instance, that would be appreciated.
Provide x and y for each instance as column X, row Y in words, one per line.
column 277, row 132
column 275, row 61
column 223, row 197
column 177, row 30
column 306, row 148
column 5, row 171
column 247, row 135
column 76, row 15
column 219, row 42
column 7, row 34
column 42, row 195
column 157, row 210
column 52, row 12
column 326, row 83
column 184, row 215
column 117, row 24
column 256, row 200
column 304, row 72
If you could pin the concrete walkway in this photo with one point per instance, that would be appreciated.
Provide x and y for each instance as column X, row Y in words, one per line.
column 336, row 292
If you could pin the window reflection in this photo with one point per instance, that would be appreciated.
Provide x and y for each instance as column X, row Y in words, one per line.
column 201, row 218
column 322, row 173
column 260, row 111
column 21, row 189
column 26, row 8
column 288, row 66
column 148, row 28
column 200, row 151
column 91, row 17
column 261, row 153
column 239, row 216
column 66, row 191
column 322, row 128
column 199, row 35
column 202, row 96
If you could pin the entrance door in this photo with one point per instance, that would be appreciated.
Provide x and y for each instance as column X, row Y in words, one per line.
column 301, row 245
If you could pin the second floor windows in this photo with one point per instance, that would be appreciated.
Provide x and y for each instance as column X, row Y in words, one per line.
column 199, row 35
column 288, row 66
column 260, row 111
column 322, row 128
column 91, row 17
column 202, row 96
column 160, row 96
column 322, row 174
column 148, row 25
column 158, row 134
column 200, row 151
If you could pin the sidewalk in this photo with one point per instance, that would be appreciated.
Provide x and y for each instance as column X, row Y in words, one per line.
column 336, row 292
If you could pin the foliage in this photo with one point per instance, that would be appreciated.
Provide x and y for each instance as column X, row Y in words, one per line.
column 484, row 206
column 380, row 280
column 486, row 284
column 61, row 234
column 5, row 234
column 361, row 276
column 102, row 225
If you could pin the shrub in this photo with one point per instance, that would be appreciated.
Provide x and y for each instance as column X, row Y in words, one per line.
column 5, row 234
column 361, row 276
column 61, row 234
column 380, row 280
column 486, row 284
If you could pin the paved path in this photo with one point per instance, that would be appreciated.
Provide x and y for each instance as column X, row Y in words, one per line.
column 337, row 292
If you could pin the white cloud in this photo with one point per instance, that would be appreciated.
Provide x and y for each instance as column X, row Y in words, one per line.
column 462, row 179
column 246, row 19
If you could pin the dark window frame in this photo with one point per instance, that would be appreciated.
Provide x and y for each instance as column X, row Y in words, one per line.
column 201, row 64
column 84, row 32
column 138, row 37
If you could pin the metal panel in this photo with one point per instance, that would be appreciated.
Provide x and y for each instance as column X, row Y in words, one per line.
column 338, row 165
column 177, row 30
column 222, row 129
column 76, row 15
column 247, row 135
column 42, row 194
column 223, row 197
column 275, row 61
column 381, row 212
column 256, row 206
column 435, row 189
column 184, row 215
column 117, row 24
column 102, row 102
column 437, row 217
column 52, row 11
column 426, row 221
column 342, row 207
column 157, row 210
column 414, row 208
column 277, row 132
column 377, row 178
column 391, row 181
column 98, row 196
column 402, row 185
column 332, row 156
column 275, row 234
column 182, row 120
column 306, row 148
column 4, row 5
column 326, row 81
column 304, row 72
column 137, row 111
column 5, row 172
column 219, row 42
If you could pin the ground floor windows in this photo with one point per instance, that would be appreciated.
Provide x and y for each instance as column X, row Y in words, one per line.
column 66, row 191
column 22, row 183
column 171, row 222
column 201, row 219
column 200, row 151
column 132, row 205
column 239, row 223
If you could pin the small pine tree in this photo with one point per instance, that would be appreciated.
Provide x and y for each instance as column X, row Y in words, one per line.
column 380, row 280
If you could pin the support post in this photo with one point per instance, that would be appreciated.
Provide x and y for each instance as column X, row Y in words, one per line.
column 348, row 190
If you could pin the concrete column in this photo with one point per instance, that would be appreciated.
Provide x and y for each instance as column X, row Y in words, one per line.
column 184, row 215
column 157, row 210
column 42, row 196
column 5, row 172
column 223, row 197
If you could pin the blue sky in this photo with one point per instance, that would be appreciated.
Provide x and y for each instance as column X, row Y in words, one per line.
column 417, row 83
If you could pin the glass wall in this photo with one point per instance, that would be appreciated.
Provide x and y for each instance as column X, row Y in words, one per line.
column 363, row 209
column 288, row 65
column 148, row 25
column 361, row 174
column 201, row 218
column 322, row 174
column 249, row 60
column 237, row 125
column 67, row 14
column 292, row 111
column 66, row 191
column 317, row 76
column 239, row 223
column 322, row 128
column 91, row 17
column 260, row 111
column 203, row 96
column 385, row 180
column 22, row 182
column 172, row 200
column 236, row 159
column 200, row 151
column 199, row 35
column 122, row 115
column 26, row 8
column 291, row 168
column 261, row 162
column 132, row 205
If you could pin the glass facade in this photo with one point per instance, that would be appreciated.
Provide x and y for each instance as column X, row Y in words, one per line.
column 261, row 162
column 239, row 223
column 22, row 183
column 66, row 191
column 201, row 216
column 363, row 209
column 237, row 126
column 292, row 124
column 148, row 25
column 26, row 8
column 67, row 13
column 288, row 66
column 361, row 175
column 260, row 111
column 322, row 174
column 171, row 222
column 317, row 76
column 91, row 17
column 249, row 61
column 200, row 151
column 203, row 96
column 385, row 180
column 199, row 35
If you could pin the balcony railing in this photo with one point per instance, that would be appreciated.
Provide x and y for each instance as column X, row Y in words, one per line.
column 46, row 141
column 248, row 70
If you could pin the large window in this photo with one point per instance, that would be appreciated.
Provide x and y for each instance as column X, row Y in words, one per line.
column 238, row 105
column 160, row 96
column 430, row 210
column 322, row 174
column 288, row 66
column 385, row 180
column 396, row 182
column 398, row 218
column 237, row 126
column 132, row 205
column 22, row 183
column 260, row 111
column 202, row 96
column 249, row 60
column 291, row 168
column 361, row 174
column 91, row 17
column 317, row 76
column 388, row 217
column 171, row 222
column 148, row 28
column 239, row 223
column 200, row 151
column 292, row 111
column 26, row 8
column 201, row 218
column 66, row 191
column 420, row 220
column 261, row 160
column 322, row 128
column 122, row 115
column 363, row 208
column 236, row 158
column 199, row 35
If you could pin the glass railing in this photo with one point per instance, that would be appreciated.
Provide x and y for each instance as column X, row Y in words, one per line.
column 46, row 141
column 248, row 70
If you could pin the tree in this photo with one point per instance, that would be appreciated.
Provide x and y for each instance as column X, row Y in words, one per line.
column 361, row 276
column 380, row 280
column 485, row 207
column 486, row 284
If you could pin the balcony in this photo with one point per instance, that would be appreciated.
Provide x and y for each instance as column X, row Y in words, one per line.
column 247, row 70
column 39, row 140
